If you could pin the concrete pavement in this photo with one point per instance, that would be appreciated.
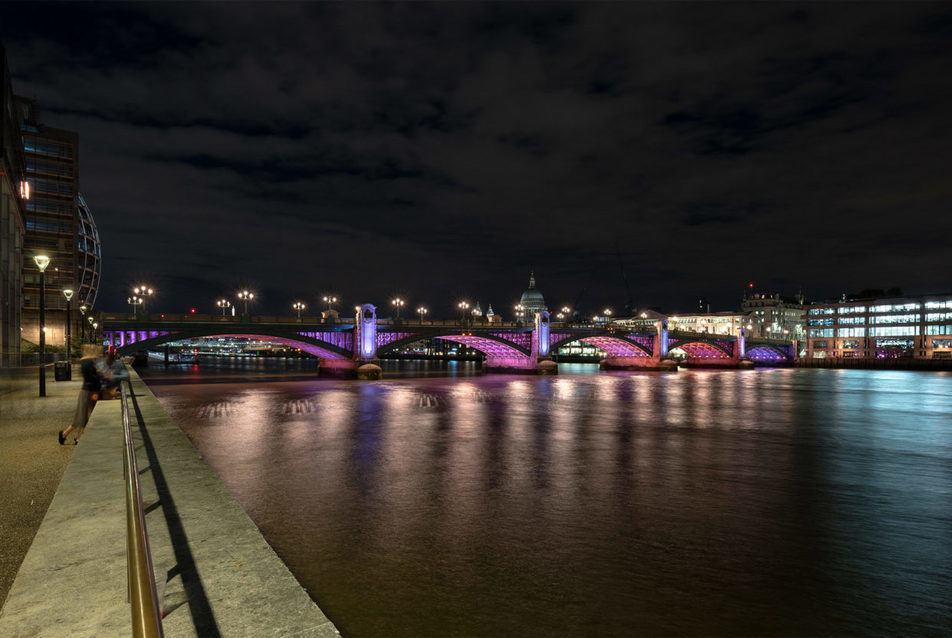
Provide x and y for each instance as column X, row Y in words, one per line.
column 215, row 573
column 31, row 462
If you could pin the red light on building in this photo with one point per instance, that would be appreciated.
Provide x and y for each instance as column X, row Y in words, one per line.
column 193, row 311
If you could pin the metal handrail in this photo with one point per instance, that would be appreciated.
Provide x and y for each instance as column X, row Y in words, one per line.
column 144, row 602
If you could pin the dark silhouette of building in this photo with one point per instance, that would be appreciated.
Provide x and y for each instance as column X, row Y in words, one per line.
column 12, row 225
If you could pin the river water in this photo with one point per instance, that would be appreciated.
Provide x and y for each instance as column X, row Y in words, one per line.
column 701, row 503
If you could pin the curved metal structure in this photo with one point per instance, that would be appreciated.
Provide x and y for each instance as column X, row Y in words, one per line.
column 88, row 254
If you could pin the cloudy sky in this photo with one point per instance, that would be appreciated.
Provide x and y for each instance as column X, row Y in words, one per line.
column 628, row 153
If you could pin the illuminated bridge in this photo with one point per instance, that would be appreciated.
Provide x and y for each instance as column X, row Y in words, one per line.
column 344, row 346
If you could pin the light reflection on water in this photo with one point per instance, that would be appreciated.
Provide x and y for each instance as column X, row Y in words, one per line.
column 768, row 502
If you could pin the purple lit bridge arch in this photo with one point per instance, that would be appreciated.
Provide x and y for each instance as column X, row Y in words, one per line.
column 508, row 347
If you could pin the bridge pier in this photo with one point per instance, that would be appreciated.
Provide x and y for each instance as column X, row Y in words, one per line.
column 337, row 368
column 365, row 361
column 539, row 361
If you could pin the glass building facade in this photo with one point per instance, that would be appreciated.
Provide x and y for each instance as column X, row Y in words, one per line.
column 59, row 224
column 906, row 327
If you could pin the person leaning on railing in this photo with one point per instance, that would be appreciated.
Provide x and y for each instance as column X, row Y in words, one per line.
column 113, row 373
column 90, row 366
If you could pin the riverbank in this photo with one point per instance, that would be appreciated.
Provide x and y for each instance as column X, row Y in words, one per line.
column 216, row 575
column 877, row 364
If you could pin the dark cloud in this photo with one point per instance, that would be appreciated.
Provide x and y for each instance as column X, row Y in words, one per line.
column 658, row 151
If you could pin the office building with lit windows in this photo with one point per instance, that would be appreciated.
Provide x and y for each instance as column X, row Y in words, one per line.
column 12, row 226
column 59, row 224
column 774, row 316
column 881, row 328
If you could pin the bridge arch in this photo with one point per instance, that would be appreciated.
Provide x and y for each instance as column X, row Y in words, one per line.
column 489, row 344
column 701, row 348
column 612, row 345
column 311, row 344
column 766, row 352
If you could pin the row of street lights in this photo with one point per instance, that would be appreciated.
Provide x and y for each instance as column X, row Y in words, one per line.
column 140, row 293
column 42, row 262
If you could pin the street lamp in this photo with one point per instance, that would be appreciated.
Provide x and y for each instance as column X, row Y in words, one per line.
column 42, row 261
column 329, row 300
column 82, row 323
column 463, row 307
column 91, row 335
column 422, row 312
column 224, row 304
column 520, row 311
column 397, row 304
column 68, row 293
column 136, row 302
column 246, row 296
column 139, row 293
column 95, row 329
column 299, row 306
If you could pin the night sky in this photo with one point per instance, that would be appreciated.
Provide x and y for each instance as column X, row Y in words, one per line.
column 652, row 153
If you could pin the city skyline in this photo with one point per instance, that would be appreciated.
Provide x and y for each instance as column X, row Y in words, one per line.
column 627, row 153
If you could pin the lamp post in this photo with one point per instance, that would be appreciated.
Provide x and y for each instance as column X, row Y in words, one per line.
column 330, row 301
column 246, row 296
column 463, row 307
column 299, row 306
column 139, row 293
column 397, row 304
column 95, row 329
column 82, row 323
column 68, row 293
column 565, row 312
column 520, row 311
column 42, row 261
column 422, row 312
column 135, row 302
column 224, row 304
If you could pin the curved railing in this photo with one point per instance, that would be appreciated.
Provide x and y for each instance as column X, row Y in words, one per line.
column 142, row 595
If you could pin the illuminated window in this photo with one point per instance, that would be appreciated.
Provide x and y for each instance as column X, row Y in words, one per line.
column 852, row 320
column 894, row 343
column 897, row 331
column 939, row 330
column 850, row 345
column 851, row 332
column 819, row 344
column 821, row 311
column 895, row 307
column 821, row 332
column 938, row 316
column 934, row 305
column 942, row 343
column 895, row 319
column 820, row 322
column 848, row 310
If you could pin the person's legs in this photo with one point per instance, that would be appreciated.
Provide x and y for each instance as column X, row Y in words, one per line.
column 93, row 398
column 80, row 416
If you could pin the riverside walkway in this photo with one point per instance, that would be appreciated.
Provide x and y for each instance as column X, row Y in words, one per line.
column 215, row 574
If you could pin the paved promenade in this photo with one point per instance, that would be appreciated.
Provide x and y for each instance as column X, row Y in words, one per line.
column 31, row 462
column 216, row 575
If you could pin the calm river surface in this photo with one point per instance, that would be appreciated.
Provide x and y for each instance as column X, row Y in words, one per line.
column 724, row 503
